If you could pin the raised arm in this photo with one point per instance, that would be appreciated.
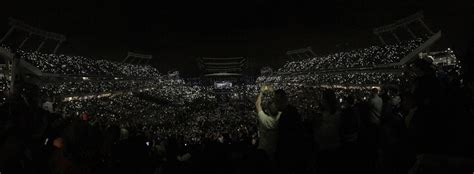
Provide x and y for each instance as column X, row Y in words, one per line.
column 258, row 103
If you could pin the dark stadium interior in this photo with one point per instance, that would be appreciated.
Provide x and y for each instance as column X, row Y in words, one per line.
column 174, row 30
column 264, row 86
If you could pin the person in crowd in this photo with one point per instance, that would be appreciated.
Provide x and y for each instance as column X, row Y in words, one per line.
column 376, row 104
column 290, row 135
column 350, row 121
column 438, row 129
column 393, row 132
column 350, row 125
column 268, row 124
column 328, row 133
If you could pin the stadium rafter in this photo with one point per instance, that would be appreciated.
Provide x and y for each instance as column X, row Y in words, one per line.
column 302, row 53
column 30, row 30
column 222, row 66
column 137, row 58
column 402, row 24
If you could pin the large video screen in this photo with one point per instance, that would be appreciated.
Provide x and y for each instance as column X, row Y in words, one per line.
column 223, row 85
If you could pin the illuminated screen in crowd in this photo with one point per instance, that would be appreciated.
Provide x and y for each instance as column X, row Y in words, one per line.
column 223, row 85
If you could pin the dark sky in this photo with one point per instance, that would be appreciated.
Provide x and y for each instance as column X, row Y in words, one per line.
column 177, row 32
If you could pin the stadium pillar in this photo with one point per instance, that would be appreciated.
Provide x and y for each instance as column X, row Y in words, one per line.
column 409, row 31
column 130, row 60
column 41, row 45
column 290, row 56
column 395, row 35
column 126, row 58
column 24, row 40
column 57, row 47
column 425, row 26
column 7, row 34
column 14, row 74
column 381, row 39
column 308, row 56
column 311, row 51
column 134, row 60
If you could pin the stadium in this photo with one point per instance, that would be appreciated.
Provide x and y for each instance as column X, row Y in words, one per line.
column 401, row 102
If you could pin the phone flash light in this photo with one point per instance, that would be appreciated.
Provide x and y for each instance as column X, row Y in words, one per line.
column 147, row 143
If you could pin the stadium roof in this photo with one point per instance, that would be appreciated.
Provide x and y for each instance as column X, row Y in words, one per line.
column 222, row 66
column 222, row 74
column 178, row 33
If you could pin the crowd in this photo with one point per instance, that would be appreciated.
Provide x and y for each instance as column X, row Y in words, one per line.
column 161, row 105
column 82, row 87
column 3, row 90
column 180, row 93
column 82, row 66
column 348, row 122
column 340, row 78
column 179, row 128
column 6, row 47
column 365, row 57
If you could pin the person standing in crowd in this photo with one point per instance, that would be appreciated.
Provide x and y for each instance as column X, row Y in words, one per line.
column 375, row 120
column 290, row 135
column 268, row 117
column 439, row 125
column 268, row 124
column 328, row 133
column 395, row 156
column 350, row 125
column 375, row 104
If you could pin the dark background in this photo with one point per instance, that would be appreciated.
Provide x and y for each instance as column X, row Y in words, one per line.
column 177, row 32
